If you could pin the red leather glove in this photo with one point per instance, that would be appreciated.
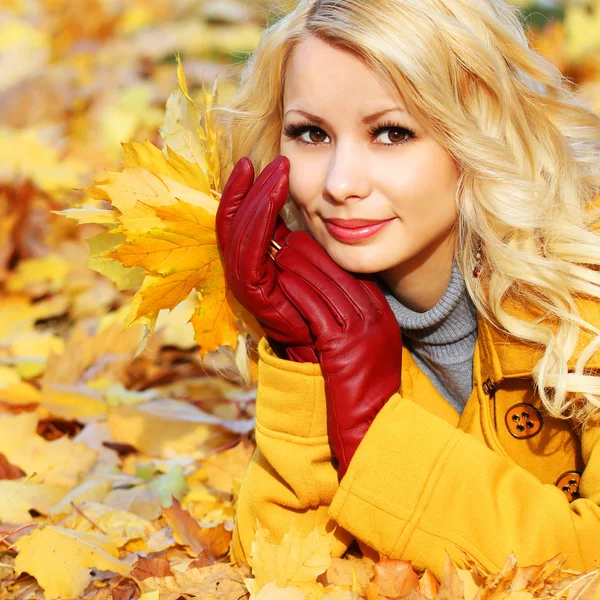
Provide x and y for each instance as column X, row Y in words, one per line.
column 358, row 339
column 246, row 221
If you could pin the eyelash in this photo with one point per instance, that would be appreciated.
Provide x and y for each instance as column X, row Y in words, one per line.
column 295, row 130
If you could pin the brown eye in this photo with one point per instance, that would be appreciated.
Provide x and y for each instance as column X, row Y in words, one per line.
column 396, row 135
column 316, row 135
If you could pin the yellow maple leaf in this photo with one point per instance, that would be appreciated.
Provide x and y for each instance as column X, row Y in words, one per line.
column 295, row 562
column 60, row 559
column 122, row 525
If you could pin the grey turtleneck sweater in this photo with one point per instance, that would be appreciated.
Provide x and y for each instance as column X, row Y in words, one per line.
column 442, row 339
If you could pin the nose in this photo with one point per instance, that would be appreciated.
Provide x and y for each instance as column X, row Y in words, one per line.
column 348, row 175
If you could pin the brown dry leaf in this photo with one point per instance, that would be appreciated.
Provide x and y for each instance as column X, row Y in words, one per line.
column 394, row 578
column 451, row 586
column 151, row 566
column 187, row 532
column 216, row 582
column 203, row 560
column 118, row 589
column 8, row 470
column 340, row 573
column 185, row 528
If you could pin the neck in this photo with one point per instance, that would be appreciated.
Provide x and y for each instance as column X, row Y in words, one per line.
column 420, row 283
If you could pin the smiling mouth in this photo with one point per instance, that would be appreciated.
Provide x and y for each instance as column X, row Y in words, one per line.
column 356, row 234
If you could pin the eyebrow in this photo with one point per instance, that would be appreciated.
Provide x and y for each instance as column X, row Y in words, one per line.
column 365, row 120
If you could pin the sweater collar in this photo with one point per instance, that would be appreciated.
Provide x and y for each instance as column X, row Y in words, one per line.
column 451, row 321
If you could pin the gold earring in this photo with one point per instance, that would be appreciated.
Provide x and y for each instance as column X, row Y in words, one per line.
column 477, row 269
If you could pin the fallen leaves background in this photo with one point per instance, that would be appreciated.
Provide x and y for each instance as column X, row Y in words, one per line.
column 122, row 448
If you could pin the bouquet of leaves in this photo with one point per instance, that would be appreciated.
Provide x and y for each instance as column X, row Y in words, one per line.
column 160, row 238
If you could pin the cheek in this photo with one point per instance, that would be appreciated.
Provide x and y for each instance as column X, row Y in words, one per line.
column 305, row 183
column 424, row 188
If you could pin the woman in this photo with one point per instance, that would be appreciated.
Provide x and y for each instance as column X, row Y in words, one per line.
column 427, row 383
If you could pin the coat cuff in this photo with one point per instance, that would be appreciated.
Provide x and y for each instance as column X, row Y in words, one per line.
column 291, row 396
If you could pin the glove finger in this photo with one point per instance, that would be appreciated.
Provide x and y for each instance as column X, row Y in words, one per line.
column 288, row 260
column 371, row 288
column 266, row 179
column 320, row 315
column 346, row 285
column 253, row 242
column 236, row 188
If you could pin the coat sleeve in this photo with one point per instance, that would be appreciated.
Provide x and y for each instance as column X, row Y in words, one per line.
column 417, row 488
column 290, row 476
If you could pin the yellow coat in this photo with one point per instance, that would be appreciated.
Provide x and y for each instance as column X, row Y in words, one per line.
column 502, row 477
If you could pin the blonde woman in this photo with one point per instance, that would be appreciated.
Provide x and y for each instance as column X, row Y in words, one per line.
column 428, row 380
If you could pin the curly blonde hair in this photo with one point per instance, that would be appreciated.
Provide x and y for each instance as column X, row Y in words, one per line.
column 527, row 150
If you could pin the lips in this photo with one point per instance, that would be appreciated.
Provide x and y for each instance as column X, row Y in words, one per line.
column 356, row 233
column 355, row 223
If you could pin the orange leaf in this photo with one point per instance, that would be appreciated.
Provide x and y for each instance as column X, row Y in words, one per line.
column 395, row 578
column 428, row 585
column 187, row 531
column 185, row 528
column 155, row 566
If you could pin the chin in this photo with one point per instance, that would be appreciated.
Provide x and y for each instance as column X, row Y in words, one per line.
column 349, row 259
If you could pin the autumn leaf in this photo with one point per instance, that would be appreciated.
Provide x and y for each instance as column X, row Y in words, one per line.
column 188, row 532
column 166, row 205
column 145, row 567
column 9, row 471
column 394, row 578
column 94, row 517
column 60, row 559
column 108, row 388
column 215, row 582
column 428, row 585
column 295, row 562
column 22, row 446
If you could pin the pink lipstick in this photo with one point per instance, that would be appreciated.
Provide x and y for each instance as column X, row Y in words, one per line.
column 355, row 234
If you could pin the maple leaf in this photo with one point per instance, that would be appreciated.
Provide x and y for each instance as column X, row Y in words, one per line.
column 295, row 562
column 61, row 559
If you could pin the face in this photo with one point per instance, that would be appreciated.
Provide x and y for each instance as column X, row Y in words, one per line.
column 347, row 164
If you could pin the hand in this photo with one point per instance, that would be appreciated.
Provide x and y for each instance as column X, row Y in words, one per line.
column 246, row 221
column 358, row 340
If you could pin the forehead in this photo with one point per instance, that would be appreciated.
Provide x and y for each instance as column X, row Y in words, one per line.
column 319, row 73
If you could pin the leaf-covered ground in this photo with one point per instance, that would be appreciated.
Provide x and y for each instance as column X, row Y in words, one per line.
column 122, row 447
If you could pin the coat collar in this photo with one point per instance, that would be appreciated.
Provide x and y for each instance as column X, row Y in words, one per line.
column 503, row 356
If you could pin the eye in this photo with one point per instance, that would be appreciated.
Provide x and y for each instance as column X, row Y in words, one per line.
column 295, row 131
column 397, row 133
